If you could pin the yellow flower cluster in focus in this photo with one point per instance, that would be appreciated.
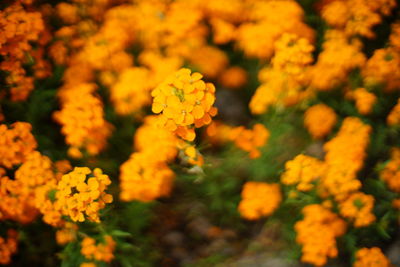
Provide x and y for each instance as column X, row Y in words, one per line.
column 81, row 194
column 184, row 102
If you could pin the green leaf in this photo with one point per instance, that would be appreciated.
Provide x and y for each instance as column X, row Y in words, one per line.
column 119, row 233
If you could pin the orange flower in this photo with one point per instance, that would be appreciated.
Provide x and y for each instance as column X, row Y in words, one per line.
column 151, row 139
column 394, row 116
column 364, row 100
column 358, row 207
column 8, row 246
column 259, row 199
column 317, row 234
column 223, row 31
column 82, row 120
column 100, row 252
column 383, row 68
column 67, row 233
column 185, row 102
column 391, row 172
column 145, row 178
column 371, row 257
column 16, row 143
column 344, row 157
column 82, row 192
column 319, row 120
column 20, row 28
column 302, row 171
column 132, row 91
column 339, row 56
column 218, row 133
column 233, row 77
column 250, row 140
column 209, row 60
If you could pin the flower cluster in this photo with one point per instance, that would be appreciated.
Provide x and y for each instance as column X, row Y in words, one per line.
column 344, row 157
column 184, row 102
column 19, row 27
column 81, row 194
column 250, row 140
column 218, row 133
column 22, row 196
column 100, row 252
column 16, row 143
column 317, row 234
column 259, row 199
column 284, row 81
column 268, row 21
column 82, row 120
column 319, row 120
column 8, row 246
column 303, row 171
column 358, row 207
column 132, row 90
column 66, row 234
column 364, row 99
column 233, row 77
column 144, row 177
column 371, row 257
column 391, row 172
column 356, row 17
column 116, row 61
column 394, row 116
column 383, row 69
column 339, row 56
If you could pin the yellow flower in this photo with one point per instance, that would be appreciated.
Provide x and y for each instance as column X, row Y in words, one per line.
column 81, row 194
column 185, row 102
